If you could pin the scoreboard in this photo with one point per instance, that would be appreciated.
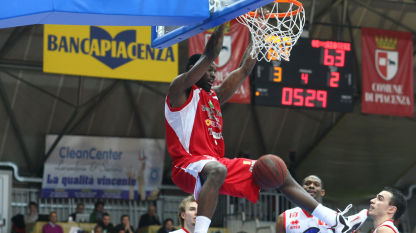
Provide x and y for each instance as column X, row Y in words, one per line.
column 318, row 76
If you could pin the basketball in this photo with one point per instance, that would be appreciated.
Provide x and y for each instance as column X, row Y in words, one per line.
column 269, row 172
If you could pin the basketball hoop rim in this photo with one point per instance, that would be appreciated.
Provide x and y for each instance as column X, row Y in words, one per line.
column 280, row 15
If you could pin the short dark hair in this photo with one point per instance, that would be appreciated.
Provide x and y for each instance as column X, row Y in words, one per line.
column 52, row 212
column 320, row 180
column 122, row 216
column 192, row 60
column 98, row 203
column 398, row 200
column 96, row 227
column 33, row 203
column 167, row 220
column 106, row 214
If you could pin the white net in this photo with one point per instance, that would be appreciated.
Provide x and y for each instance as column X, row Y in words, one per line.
column 275, row 29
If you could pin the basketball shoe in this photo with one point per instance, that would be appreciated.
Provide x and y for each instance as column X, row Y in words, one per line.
column 350, row 223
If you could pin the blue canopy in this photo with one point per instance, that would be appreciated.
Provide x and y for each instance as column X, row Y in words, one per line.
column 102, row 12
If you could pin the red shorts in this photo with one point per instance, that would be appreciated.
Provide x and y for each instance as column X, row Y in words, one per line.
column 238, row 183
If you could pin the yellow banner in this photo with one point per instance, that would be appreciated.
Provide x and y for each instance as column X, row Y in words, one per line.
column 107, row 52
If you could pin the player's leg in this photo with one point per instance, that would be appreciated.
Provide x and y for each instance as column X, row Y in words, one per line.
column 292, row 190
column 211, row 177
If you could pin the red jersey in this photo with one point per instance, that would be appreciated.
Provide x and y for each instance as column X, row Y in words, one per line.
column 194, row 137
column 389, row 224
column 195, row 128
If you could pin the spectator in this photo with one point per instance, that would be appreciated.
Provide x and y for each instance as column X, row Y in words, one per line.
column 18, row 223
column 98, row 229
column 78, row 210
column 149, row 218
column 97, row 213
column 32, row 216
column 167, row 226
column 106, row 224
column 51, row 226
column 125, row 224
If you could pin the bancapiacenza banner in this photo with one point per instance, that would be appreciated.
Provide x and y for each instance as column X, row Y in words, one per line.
column 108, row 52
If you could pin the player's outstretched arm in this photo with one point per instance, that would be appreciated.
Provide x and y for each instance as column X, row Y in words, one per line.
column 178, row 87
column 226, row 90
column 280, row 228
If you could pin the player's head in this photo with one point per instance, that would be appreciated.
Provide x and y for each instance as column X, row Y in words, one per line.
column 187, row 211
column 207, row 80
column 314, row 186
column 389, row 202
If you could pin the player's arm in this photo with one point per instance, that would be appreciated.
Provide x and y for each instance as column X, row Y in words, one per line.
column 178, row 87
column 226, row 90
column 280, row 227
column 385, row 229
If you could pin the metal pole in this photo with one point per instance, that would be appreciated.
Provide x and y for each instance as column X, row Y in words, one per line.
column 100, row 97
column 39, row 89
column 16, row 127
column 61, row 134
column 385, row 16
column 258, row 127
column 135, row 109
column 355, row 64
column 311, row 16
column 155, row 90
column 13, row 38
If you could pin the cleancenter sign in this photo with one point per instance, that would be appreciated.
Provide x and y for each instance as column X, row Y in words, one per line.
column 102, row 167
column 107, row 52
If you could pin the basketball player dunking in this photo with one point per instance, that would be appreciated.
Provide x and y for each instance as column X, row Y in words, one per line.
column 195, row 143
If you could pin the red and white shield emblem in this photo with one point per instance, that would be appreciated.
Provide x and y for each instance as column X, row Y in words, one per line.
column 226, row 50
column 387, row 63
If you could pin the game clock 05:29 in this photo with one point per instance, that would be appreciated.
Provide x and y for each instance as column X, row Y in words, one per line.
column 318, row 76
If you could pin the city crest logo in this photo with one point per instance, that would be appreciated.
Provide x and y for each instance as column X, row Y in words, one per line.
column 386, row 57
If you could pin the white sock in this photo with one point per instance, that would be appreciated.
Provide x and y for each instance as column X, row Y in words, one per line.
column 325, row 214
column 202, row 224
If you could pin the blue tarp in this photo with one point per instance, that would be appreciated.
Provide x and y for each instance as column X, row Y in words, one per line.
column 102, row 12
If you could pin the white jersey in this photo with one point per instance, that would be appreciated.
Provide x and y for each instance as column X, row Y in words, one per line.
column 297, row 220
column 182, row 230
column 388, row 223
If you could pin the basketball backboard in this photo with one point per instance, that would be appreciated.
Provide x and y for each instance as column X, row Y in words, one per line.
column 220, row 11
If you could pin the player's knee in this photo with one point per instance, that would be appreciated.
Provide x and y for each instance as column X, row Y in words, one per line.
column 220, row 171
column 215, row 172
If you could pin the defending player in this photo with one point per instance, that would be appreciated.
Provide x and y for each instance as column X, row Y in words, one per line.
column 298, row 220
column 387, row 206
column 195, row 143
column 186, row 215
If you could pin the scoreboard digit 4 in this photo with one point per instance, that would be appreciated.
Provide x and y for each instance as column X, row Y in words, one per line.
column 319, row 76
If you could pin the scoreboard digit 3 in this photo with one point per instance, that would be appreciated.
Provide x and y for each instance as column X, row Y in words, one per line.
column 319, row 76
